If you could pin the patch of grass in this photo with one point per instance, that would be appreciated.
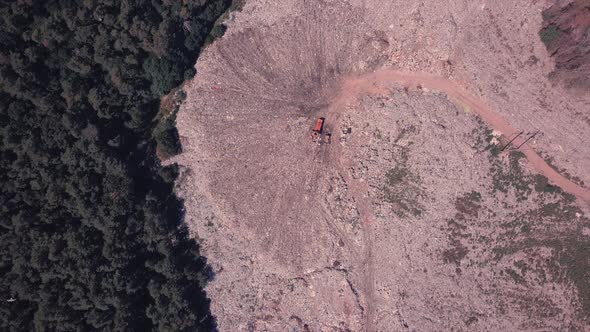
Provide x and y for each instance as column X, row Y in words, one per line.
column 555, row 224
column 515, row 157
column 236, row 5
column 397, row 175
column 471, row 320
column 165, row 133
column 522, row 266
column 550, row 35
column 468, row 206
column 576, row 261
column 561, row 211
column 484, row 136
column 542, row 185
column 456, row 230
column 404, row 201
column 518, row 279
column 555, row 228
column 513, row 177
column 455, row 254
column 402, row 188
column 405, row 131
column 377, row 134
column 217, row 32
column 469, row 203
column 219, row 27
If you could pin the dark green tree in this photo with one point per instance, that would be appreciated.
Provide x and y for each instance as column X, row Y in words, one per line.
column 91, row 233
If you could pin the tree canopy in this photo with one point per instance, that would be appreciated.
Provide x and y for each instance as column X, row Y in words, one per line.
column 91, row 233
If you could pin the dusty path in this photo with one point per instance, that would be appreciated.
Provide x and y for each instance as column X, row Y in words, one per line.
column 378, row 81
column 360, row 192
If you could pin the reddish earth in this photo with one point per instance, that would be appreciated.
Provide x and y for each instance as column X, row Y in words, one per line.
column 415, row 217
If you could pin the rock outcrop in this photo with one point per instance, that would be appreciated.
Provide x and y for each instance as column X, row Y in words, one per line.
column 566, row 33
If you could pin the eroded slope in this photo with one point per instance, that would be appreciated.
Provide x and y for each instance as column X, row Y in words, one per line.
column 566, row 33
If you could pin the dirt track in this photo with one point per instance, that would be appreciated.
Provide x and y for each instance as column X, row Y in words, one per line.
column 406, row 221
column 378, row 81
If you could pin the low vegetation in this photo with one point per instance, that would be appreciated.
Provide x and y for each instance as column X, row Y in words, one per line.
column 550, row 34
column 219, row 27
column 165, row 133
column 402, row 187
column 541, row 216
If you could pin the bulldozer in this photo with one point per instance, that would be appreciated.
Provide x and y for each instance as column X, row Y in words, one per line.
column 319, row 134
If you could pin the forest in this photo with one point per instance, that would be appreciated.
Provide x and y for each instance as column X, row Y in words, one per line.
column 92, row 235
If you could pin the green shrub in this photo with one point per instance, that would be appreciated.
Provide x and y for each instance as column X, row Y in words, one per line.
column 550, row 34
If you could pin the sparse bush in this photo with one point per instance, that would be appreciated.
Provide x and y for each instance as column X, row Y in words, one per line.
column 168, row 142
column 402, row 188
column 217, row 32
column 456, row 253
column 469, row 204
column 550, row 34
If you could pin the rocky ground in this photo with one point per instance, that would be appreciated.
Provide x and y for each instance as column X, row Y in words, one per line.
column 415, row 217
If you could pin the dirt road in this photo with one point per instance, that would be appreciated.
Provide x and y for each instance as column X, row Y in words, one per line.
column 378, row 81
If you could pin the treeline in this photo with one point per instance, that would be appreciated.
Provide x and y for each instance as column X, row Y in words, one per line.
column 91, row 233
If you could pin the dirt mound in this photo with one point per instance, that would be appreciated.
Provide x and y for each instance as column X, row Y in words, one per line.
column 566, row 33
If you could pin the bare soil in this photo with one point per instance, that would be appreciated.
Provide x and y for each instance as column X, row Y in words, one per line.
column 420, row 215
